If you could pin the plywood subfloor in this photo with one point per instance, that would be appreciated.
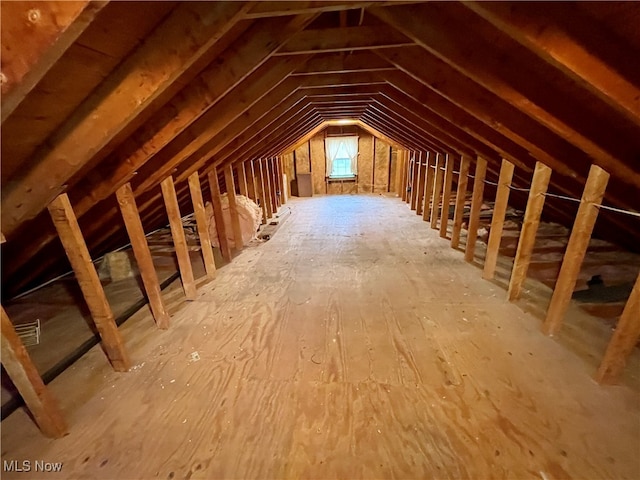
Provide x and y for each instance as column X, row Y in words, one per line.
column 353, row 344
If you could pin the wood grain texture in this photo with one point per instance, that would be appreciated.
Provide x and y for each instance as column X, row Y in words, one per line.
column 497, row 219
column 446, row 195
column 25, row 377
column 140, row 247
column 423, row 166
column 75, row 247
column 430, row 159
column 233, row 208
column 576, row 248
column 530, row 223
column 202, row 223
column 624, row 340
column 438, row 183
column 216, row 202
column 179, row 240
column 257, row 168
column 382, row 369
column 476, row 204
column 461, row 194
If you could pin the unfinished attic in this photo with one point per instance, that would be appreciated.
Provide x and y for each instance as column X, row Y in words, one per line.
column 320, row 239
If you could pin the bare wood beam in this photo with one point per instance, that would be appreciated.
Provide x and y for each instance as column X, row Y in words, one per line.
column 476, row 204
column 431, row 159
column 564, row 37
column 275, row 198
column 242, row 178
column 251, row 180
column 179, row 240
column 280, row 180
column 446, row 196
column 27, row 380
column 76, row 249
column 343, row 39
column 437, row 190
column 624, row 339
column 531, row 221
column 497, row 219
column 216, row 203
column 233, row 208
column 415, row 171
column 576, row 248
column 51, row 28
column 140, row 79
column 339, row 62
column 260, row 189
column 202, row 223
column 133, row 224
column 421, row 200
column 461, row 194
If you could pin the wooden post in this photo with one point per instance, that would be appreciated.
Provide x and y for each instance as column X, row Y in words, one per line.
column 216, row 203
column 280, row 180
column 251, row 180
column 233, row 208
column 415, row 179
column 260, row 193
column 428, row 185
column 242, row 178
column 527, row 240
column 179, row 240
column 624, row 339
column 202, row 224
column 437, row 190
column 576, row 248
column 405, row 175
column 446, row 196
column 476, row 203
column 140, row 247
column 266, row 185
column 27, row 380
column 70, row 235
column 420, row 201
column 497, row 219
column 275, row 199
column 461, row 194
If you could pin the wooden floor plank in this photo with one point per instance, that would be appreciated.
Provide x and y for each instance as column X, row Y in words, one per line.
column 433, row 374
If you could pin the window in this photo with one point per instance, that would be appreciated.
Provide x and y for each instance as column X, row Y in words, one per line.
column 341, row 155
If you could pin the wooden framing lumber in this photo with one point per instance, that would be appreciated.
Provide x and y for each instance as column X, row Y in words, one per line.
column 415, row 173
column 405, row 174
column 267, row 187
column 202, row 223
column 251, row 180
column 242, row 178
column 135, row 230
column 624, row 339
column 27, row 380
column 476, row 204
column 51, row 28
column 420, row 200
column 280, row 172
column 179, row 239
column 216, row 203
column 428, row 185
column 526, row 242
column 576, row 248
column 76, row 249
column 446, row 196
column 143, row 76
column 497, row 219
column 233, row 208
column 437, row 190
column 273, row 183
column 461, row 194
column 260, row 190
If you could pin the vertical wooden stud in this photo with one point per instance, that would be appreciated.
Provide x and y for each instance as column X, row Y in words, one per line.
column 446, row 196
column 461, row 195
column 497, row 219
column 275, row 197
column 260, row 190
column 624, row 339
column 251, row 180
column 576, row 248
column 233, row 208
column 428, row 185
column 527, row 240
column 267, row 187
column 202, row 224
column 179, row 239
column 421, row 179
column 133, row 224
column 415, row 179
column 216, row 202
column 476, row 204
column 405, row 175
column 27, row 380
column 437, row 190
column 75, row 247
column 280, row 180
column 242, row 178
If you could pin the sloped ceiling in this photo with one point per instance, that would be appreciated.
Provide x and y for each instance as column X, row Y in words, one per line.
column 97, row 94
